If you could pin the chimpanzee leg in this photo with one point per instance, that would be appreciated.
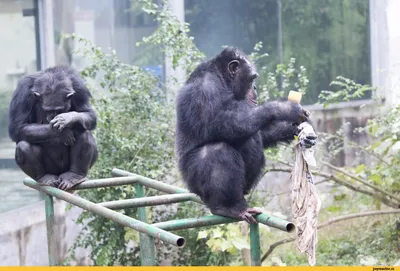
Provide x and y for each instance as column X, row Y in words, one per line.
column 223, row 182
column 30, row 159
column 83, row 154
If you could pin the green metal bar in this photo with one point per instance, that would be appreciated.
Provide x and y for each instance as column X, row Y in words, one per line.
column 147, row 201
column 272, row 221
column 107, row 182
column 255, row 245
column 147, row 246
column 187, row 223
column 275, row 222
column 160, row 186
column 113, row 215
column 51, row 231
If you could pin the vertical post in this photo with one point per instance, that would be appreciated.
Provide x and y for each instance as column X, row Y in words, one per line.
column 147, row 247
column 280, row 43
column 255, row 245
column 51, row 232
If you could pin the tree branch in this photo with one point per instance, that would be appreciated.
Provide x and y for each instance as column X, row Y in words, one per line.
column 360, row 180
column 327, row 223
column 351, row 186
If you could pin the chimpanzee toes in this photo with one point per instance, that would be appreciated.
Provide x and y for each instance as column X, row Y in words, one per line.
column 246, row 216
column 253, row 211
column 70, row 179
column 48, row 180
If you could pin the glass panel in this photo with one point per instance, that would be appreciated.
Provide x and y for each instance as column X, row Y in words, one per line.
column 329, row 38
column 119, row 24
column 18, row 58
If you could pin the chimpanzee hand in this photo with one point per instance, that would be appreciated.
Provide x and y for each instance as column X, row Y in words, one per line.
column 67, row 137
column 297, row 113
column 309, row 139
column 63, row 120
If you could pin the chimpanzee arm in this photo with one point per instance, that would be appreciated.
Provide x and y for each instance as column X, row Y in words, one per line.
column 81, row 115
column 86, row 116
column 278, row 131
column 243, row 122
column 21, row 117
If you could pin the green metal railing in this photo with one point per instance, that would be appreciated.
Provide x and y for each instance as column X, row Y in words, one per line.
column 147, row 231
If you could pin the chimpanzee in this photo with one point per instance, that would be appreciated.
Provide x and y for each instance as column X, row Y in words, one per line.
column 50, row 119
column 221, row 132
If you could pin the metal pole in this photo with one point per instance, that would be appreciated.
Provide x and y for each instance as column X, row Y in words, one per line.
column 187, row 223
column 106, row 182
column 255, row 245
column 147, row 201
column 280, row 46
column 147, row 247
column 122, row 219
column 160, row 186
column 51, row 231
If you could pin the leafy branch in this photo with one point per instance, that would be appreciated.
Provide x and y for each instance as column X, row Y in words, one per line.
column 328, row 223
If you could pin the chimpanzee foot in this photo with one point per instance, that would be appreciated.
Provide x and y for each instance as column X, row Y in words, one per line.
column 70, row 179
column 247, row 215
column 48, row 180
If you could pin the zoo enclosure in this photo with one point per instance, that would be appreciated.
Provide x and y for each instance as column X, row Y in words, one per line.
column 148, row 232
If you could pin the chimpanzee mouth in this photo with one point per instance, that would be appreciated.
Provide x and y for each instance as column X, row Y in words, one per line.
column 252, row 96
column 253, row 101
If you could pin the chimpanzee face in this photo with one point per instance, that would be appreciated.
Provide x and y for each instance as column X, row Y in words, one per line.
column 244, row 73
column 53, row 95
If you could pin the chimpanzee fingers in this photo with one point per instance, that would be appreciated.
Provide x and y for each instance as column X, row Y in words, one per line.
column 249, row 218
column 311, row 137
column 308, row 143
column 61, row 126
column 254, row 211
column 70, row 141
column 65, row 185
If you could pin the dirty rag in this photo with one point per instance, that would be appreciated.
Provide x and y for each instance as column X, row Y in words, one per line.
column 305, row 201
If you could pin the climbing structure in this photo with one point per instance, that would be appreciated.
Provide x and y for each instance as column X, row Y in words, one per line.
column 147, row 231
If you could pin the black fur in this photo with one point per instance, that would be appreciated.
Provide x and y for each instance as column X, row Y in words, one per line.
column 50, row 119
column 221, row 133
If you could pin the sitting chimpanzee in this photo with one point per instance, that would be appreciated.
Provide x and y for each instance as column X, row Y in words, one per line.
column 221, row 132
column 50, row 119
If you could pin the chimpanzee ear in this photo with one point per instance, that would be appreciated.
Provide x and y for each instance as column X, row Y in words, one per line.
column 70, row 95
column 233, row 66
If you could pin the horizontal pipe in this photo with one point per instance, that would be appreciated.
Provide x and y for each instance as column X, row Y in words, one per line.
column 160, row 186
column 187, row 223
column 269, row 220
column 122, row 219
column 107, row 182
column 147, row 201
column 275, row 222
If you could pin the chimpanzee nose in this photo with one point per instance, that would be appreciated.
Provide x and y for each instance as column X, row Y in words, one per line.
column 255, row 75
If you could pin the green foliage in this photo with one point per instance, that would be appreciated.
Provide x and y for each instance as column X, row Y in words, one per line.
column 277, row 84
column 172, row 35
column 132, row 134
column 375, row 247
column 345, row 90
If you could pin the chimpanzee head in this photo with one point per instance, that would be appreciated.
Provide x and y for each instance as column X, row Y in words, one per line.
column 53, row 93
column 239, row 72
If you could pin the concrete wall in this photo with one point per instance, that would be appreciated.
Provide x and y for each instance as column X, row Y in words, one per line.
column 23, row 235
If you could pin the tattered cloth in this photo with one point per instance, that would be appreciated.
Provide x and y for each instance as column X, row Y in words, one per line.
column 305, row 201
